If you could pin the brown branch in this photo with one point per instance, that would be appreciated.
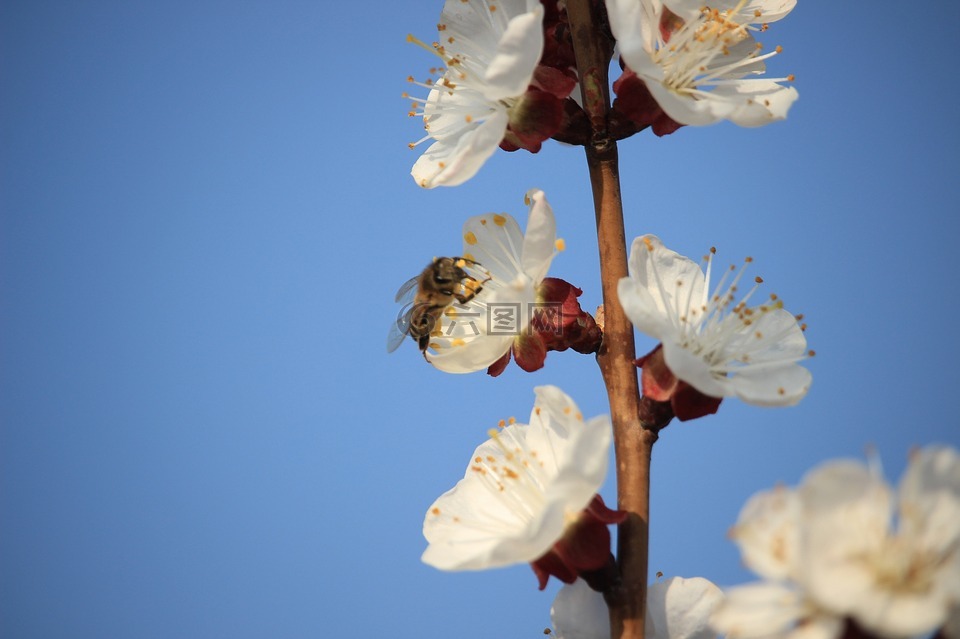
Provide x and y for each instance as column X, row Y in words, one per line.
column 632, row 441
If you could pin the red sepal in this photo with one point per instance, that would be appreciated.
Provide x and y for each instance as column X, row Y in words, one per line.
column 530, row 352
column 499, row 366
column 584, row 546
column 571, row 327
column 635, row 101
column 661, row 385
column 537, row 116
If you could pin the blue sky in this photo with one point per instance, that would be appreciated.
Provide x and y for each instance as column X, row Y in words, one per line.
column 205, row 210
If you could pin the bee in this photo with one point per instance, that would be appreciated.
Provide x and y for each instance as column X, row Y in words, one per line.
column 444, row 281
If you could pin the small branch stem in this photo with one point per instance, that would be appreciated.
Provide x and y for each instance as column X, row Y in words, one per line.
column 632, row 441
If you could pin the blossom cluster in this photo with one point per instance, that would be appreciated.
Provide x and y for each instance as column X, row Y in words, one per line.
column 843, row 549
column 508, row 75
column 841, row 554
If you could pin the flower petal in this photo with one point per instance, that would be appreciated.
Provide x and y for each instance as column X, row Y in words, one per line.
column 694, row 370
column 496, row 242
column 634, row 25
column 454, row 159
column 511, row 69
column 780, row 385
column 681, row 608
column 580, row 613
column 662, row 286
column 768, row 533
column 539, row 240
column 766, row 609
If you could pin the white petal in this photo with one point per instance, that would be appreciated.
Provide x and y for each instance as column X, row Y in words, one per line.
column 472, row 338
column 768, row 533
column 681, row 608
column 750, row 12
column 518, row 52
column 673, row 283
column 781, row 385
column 454, row 160
column 475, row 354
column 634, row 26
column 929, row 499
column 847, row 513
column 642, row 309
column 694, row 370
column 496, row 242
column 475, row 533
column 758, row 610
column 685, row 109
column 774, row 336
column 539, row 241
column 582, row 447
column 902, row 615
column 758, row 102
column 579, row 613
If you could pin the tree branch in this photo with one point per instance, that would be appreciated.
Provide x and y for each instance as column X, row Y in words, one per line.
column 633, row 442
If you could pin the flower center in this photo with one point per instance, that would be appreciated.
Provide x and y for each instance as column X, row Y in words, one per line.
column 516, row 475
column 720, row 329
column 709, row 50
column 900, row 566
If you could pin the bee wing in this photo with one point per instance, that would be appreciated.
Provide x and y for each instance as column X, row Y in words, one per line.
column 407, row 291
column 398, row 330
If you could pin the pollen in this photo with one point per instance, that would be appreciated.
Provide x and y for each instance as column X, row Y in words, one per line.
column 435, row 510
column 470, row 238
column 499, row 220
column 458, row 342
column 560, row 244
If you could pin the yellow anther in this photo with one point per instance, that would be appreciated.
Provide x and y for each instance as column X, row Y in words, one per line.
column 470, row 238
column 560, row 244
column 499, row 220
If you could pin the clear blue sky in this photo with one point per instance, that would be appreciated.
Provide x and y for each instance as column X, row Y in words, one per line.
column 205, row 210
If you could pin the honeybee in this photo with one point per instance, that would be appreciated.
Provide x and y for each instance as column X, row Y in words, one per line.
column 444, row 281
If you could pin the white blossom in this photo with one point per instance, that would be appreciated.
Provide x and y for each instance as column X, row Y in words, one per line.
column 490, row 51
column 718, row 345
column 467, row 339
column 695, row 59
column 843, row 545
column 522, row 488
